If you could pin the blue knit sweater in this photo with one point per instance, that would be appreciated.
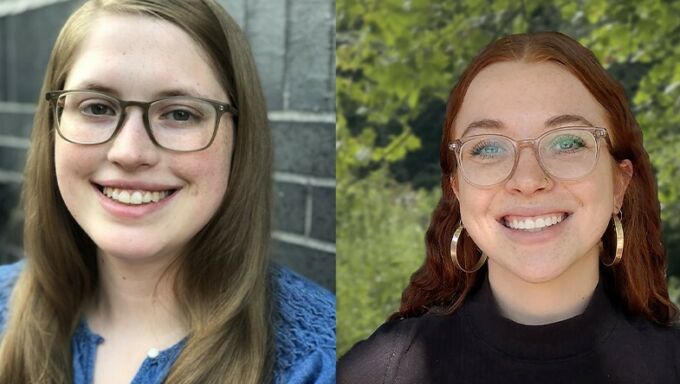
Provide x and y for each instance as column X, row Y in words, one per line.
column 304, row 343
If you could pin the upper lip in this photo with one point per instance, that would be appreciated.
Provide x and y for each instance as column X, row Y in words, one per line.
column 135, row 185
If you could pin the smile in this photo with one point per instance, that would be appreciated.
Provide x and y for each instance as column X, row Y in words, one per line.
column 135, row 197
column 533, row 224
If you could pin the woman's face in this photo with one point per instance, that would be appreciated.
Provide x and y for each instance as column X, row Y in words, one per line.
column 522, row 101
column 143, row 59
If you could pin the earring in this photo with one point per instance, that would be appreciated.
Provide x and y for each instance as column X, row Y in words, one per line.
column 618, row 227
column 454, row 252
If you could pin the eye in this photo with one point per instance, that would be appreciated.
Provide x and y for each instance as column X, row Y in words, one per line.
column 487, row 149
column 567, row 143
column 96, row 108
column 180, row 115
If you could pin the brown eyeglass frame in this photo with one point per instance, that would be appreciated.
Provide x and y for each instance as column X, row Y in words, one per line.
column 220, row 109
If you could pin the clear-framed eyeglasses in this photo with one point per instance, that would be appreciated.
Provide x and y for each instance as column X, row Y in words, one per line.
column 177, row 123
column 567, row 153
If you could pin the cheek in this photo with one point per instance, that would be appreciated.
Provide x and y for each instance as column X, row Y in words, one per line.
column 474, row 203
column 73, row 163
column 74, row 166
column 597, row 191
column 207, row 171
column 209, row 174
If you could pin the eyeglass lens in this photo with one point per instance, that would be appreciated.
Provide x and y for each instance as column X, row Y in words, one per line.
column 178, row 123
column 564, row 154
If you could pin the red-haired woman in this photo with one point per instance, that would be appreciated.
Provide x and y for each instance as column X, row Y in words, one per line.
column 544, row 257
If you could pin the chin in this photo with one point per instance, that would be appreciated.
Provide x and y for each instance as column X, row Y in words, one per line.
column 130, row 250
column 116, row 238
column 536, row 273
column 538, row 277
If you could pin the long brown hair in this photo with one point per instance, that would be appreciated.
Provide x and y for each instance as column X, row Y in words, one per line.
column 639, row 280
column 221, row 287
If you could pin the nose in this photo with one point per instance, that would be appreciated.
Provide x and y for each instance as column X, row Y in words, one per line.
column 132, row 147
column 528, row 177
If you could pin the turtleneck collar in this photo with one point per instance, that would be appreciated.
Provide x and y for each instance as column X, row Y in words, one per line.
column 567, row 338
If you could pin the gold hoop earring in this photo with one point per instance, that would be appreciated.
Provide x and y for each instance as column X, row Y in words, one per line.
column 618, row 227
column 454, row 252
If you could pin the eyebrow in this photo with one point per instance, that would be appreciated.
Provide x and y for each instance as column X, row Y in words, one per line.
column 562, row 120
column 98, row 87
column 553, row 122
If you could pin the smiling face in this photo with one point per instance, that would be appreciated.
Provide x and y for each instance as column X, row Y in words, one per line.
column 140, row 58
column 534, row 226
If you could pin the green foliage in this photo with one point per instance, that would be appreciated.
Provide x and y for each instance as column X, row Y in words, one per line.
column 394, row 57
column 374, row 270
column 674, row 289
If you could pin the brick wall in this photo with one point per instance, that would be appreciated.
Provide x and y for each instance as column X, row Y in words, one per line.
column 294, row 47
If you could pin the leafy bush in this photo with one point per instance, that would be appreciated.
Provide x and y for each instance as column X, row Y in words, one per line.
column 381, row 227
column 674, row 289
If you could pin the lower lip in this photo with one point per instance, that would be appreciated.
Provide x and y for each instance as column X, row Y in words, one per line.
column 126, row 211
column 537, row 237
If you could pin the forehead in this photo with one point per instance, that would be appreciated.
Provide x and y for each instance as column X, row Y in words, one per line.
column 523, row 96
column 136, row 52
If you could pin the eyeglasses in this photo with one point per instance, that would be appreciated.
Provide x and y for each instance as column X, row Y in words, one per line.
column 178, row 123
column 567, row 153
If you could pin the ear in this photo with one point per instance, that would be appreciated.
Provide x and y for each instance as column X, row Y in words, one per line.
column 454, row 184
column 622, row 175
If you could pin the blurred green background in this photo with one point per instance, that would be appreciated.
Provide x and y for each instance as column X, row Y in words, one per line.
column 396, row 63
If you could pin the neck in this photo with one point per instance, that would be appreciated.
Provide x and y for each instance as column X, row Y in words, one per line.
column 537, row 303
column 136, row 298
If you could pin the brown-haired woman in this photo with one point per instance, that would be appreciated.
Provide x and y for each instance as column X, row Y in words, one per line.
column 544, row 257
column 147, row 202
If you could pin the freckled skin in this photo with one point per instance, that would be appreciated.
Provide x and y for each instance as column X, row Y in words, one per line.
column 140, row 57
column 523, row 96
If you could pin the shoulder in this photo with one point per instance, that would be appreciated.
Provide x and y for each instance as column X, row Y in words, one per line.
column 654, row 337
column 8, row 277
column 653, row 349
column 304, row 323
column 392, row 347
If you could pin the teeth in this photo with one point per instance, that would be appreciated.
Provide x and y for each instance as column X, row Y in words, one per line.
column 124, row 197
column 533, row 224
column 134, row 197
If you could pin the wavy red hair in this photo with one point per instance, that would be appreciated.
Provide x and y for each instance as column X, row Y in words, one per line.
column 638, row 282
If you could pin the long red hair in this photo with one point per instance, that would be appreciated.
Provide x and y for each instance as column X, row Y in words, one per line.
column 638, row 282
